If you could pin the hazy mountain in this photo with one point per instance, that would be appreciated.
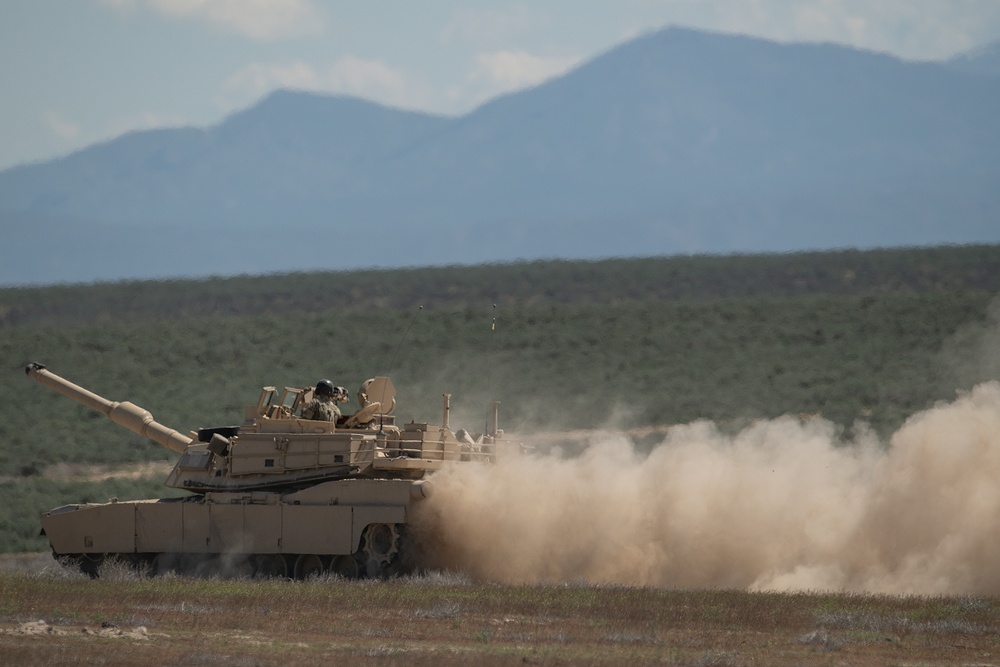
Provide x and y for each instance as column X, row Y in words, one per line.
column 984, row 60
column 676, row 142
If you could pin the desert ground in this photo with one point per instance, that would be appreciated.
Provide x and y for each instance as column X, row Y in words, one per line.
column 51, row 616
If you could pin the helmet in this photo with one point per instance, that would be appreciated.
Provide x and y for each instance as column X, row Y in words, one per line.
column 324, row 388
column 340, row 394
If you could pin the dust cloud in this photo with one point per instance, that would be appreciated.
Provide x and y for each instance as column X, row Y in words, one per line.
column 783, row 505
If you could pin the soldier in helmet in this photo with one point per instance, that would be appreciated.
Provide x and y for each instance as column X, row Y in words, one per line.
column 323, row 406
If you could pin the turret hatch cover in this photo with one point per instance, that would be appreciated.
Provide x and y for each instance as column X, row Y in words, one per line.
column 378, row 390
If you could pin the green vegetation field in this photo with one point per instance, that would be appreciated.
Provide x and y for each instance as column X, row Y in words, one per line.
column 870, row 336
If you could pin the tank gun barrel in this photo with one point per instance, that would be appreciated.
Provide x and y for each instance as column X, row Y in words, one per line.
column 131, row 416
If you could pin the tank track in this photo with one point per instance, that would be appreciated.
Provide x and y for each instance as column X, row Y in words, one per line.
column 381, row 555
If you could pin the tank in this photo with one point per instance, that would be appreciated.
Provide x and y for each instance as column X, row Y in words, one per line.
column 276, row 495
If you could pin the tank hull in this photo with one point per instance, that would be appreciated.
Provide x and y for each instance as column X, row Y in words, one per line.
column 352, row 527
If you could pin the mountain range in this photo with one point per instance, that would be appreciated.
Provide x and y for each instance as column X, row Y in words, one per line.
column 676, row 142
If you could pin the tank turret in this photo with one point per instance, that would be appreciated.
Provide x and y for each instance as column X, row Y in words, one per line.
column 277, row 494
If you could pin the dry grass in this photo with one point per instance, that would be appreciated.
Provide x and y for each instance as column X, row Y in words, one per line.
column 59, row 618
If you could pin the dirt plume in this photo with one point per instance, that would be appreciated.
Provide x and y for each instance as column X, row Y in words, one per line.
column 783, row 505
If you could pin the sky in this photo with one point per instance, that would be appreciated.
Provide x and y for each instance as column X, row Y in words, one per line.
column 77, row 72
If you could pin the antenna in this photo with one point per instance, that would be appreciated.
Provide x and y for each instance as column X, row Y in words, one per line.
column 392, row 363
column 489, row 367
column 399, row 344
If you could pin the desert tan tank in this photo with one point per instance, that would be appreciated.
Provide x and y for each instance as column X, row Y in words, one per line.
column 277, row 495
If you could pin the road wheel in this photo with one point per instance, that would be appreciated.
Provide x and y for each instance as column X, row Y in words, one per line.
column 270, row 566
column 91, row 563
column 345, row 566
column 165, row 564
column 202, row 566
column 309, row 565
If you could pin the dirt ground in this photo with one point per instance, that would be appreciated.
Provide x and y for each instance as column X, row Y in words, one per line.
column 57, row 618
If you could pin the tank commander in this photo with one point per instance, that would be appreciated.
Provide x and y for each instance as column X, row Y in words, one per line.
column 323, row 406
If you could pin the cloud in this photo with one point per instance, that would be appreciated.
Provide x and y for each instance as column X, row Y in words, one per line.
column 74, row 132
column 68, row 134
column 511, row 70
column 491, row 26
column 60, row 126
column 148, row 120
column 368, row 79
column 915, row 29
column 491, row 74
column 257, row 19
